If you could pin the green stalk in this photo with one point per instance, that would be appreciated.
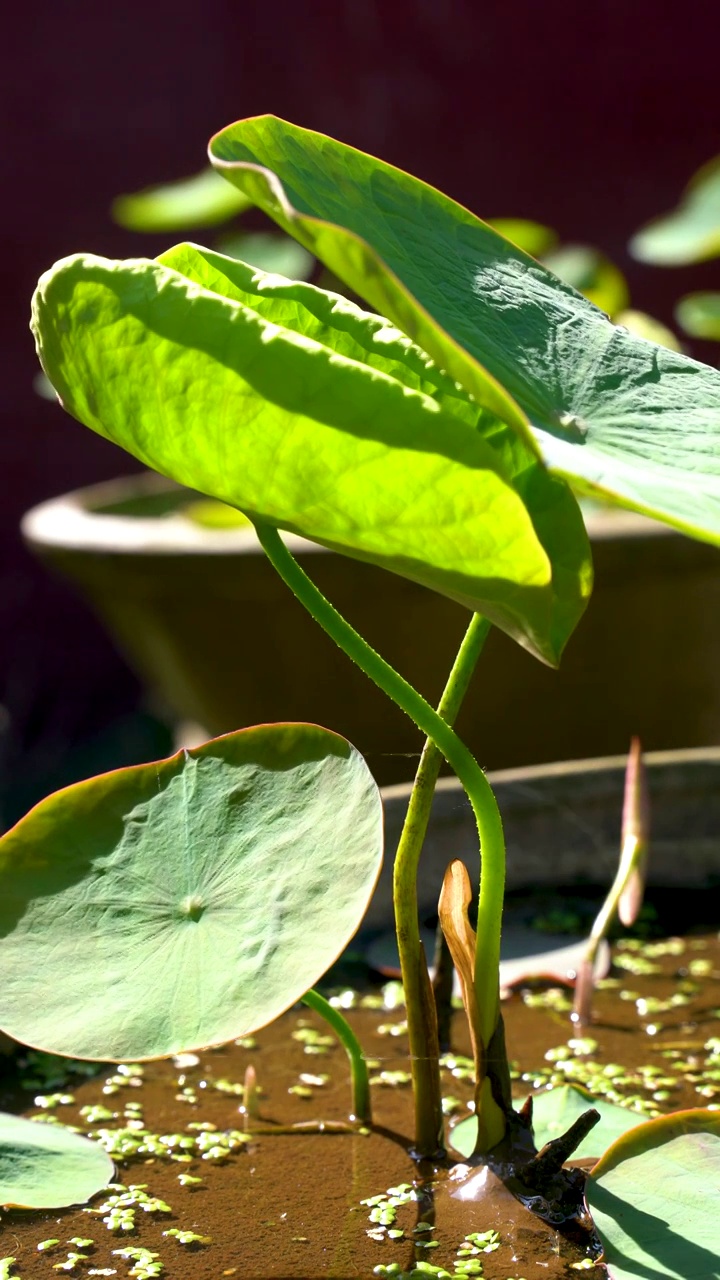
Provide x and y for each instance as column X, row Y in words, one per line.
column 422, row 1024
column 468, row 771
column 361, row 1103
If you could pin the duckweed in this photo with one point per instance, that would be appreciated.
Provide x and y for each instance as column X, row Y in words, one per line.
column 96, row 1114
column 308, row 1034
column 383, row 1212
column 71, row 1263
column 392, row 1028
column 346, row 999
column 419, row 1271
column 555, row 999
column 392, row 1079
column 187, row 1237
column 52, row 1100
column 479, row 1242
column 459, row 1066
column 146, row 1264
column 636, row 964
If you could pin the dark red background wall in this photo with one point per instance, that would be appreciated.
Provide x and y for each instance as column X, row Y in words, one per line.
column 589, row 117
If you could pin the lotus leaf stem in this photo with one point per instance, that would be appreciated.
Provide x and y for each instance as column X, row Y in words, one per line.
column 360, row 1080
column 469, row 773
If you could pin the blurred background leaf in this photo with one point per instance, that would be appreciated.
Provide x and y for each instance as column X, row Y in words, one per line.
column 691, row 233
column 699, row 315
column 592, row 274
column 203, row 200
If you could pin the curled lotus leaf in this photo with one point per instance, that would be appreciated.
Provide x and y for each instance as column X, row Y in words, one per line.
column 616, row 415
column 312, row 415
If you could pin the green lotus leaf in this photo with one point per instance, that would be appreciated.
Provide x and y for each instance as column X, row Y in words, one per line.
column 699, row 315
column 186, row 902
column 592, row 274
column 621, row 418
column 554, row 1111
column 199, row 201
column 653, row 1199
column 305, row 412
column 691, row 233
column 44, row 1166
column 532, row 237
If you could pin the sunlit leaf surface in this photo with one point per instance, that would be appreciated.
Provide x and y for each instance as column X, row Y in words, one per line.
column 44, row 1166
column 173, row 905
column 653, row 1198
column 302, row 410
column 617, row 415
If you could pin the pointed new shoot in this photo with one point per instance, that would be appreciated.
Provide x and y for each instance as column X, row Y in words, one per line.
column 626, row 894
column 455, row 898
column 635, row 832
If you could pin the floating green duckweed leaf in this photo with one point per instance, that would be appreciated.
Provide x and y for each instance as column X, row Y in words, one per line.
column 173, row 905
column 653, row 1199
column 306, row 412
column 691, row 233
column 616, row 415
column 554, row 1111
column 199, row 201
column 699, row 315
column 47, row 1167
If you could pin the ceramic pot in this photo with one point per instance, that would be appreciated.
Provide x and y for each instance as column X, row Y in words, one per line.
column 562, row 828
column 206, row 622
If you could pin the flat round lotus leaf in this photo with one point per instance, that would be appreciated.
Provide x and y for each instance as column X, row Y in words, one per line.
column 45, row 1166
column 187, row 902
column 554, row 1111
column 653, row 1198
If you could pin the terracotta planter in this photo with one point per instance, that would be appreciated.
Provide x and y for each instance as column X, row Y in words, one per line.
column 205, row 621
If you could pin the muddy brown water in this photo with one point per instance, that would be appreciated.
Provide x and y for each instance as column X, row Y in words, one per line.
column 288, row 1204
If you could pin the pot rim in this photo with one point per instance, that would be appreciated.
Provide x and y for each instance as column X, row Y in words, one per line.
column 76, row 522
column 568, row 769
